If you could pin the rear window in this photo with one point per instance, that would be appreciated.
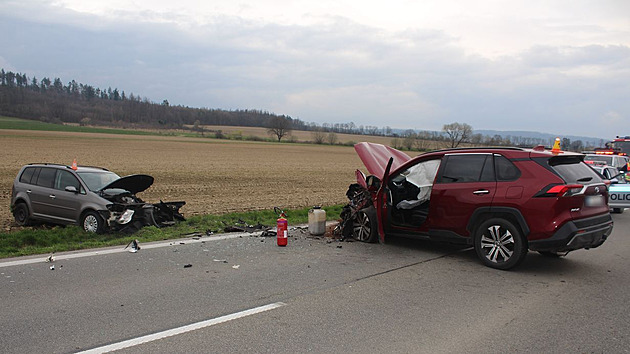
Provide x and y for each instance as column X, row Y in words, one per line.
column 27, row 175
column 572, row 169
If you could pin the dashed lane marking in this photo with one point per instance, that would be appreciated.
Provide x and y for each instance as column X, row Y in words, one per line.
column 175, row 331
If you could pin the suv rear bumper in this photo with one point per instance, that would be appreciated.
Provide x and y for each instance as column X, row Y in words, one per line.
column 577, row 234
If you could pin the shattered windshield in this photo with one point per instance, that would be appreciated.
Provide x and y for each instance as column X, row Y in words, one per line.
column 96, row 180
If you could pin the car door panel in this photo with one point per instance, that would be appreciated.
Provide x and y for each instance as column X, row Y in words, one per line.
column 452, row 204
column 464, row 183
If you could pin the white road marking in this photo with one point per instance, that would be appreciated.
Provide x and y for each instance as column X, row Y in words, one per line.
column 184, row 329
column 60, row 257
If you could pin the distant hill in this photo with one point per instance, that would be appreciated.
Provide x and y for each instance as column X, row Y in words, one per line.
column 596, row 142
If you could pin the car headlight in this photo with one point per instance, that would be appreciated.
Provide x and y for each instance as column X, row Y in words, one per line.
column 125, row 217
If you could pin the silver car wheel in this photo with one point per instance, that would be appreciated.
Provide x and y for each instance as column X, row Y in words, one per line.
column 90, row 223
column 362, row 227
column 497, row 244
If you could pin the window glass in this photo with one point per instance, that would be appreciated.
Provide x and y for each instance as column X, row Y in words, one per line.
column 46, row 177
column 506, row 171
column 572, row 169
column 603, row 159
column 27, row 175
column 65, row 179
column 97, row 180
column 467, row 168
column 487, row 173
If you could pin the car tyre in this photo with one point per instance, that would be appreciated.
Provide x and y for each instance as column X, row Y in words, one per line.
column 618, row 210
column 92, row 222
column 499, row 244
column 364, row 225
column 22, row 214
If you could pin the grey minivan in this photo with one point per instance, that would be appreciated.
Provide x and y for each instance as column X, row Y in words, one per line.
column 92, row 197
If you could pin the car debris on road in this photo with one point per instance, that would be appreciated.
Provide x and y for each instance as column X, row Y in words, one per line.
column 135, row 247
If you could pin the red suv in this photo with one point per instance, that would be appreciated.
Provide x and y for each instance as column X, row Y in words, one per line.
column 503, row 201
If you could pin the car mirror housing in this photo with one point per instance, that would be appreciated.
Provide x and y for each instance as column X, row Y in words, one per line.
column 72, row 189
column 373, row 182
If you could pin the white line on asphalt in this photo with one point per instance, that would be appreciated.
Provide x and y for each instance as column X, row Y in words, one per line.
column 184, row 329
column 61, row 257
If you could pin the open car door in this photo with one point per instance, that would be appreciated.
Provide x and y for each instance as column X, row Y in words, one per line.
column 381, row 201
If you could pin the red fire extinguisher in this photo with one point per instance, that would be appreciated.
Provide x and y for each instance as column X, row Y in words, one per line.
column 282, row 233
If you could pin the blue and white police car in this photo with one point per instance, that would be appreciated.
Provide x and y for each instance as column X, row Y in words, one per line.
column 619, row 188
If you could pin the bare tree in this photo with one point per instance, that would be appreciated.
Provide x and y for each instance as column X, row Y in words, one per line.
column 279, row 126
column 332, row 138
column 422, row 140
column 457, row 133
column 396, row 143
column 318, row 136
column 409, row 139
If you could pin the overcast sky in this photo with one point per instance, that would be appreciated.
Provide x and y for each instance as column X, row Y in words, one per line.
column 560, row 67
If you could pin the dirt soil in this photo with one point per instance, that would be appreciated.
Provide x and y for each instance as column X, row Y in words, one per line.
column 212, row 176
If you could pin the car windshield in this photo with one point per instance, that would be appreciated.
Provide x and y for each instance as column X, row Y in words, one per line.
column 96, row 180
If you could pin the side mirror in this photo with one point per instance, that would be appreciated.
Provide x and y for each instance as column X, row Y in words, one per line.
column 373, row 182
column 72, row 189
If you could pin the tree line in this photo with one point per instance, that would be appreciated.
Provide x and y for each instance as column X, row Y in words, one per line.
column 50, row 100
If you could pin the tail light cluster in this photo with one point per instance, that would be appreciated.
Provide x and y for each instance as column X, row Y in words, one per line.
column 560, row 190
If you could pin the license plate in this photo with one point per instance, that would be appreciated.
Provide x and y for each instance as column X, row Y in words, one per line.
column 594, row 200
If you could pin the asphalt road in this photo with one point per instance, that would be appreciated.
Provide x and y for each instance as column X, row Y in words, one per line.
column 247, row 295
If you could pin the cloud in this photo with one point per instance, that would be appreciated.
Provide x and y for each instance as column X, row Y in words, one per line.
column 332, row 68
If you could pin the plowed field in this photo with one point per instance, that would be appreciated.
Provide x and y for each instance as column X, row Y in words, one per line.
column 212, row 176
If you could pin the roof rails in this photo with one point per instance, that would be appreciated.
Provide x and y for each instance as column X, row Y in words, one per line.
column 481, row 148
column 66, row 166
column 47, row 164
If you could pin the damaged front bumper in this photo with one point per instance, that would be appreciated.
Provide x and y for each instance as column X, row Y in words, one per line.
column 134, row 216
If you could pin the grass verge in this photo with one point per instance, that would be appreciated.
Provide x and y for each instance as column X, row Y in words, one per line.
column 25, row 124
column 42, row 240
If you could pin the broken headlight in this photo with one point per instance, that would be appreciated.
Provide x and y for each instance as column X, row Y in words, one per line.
column 125, row 217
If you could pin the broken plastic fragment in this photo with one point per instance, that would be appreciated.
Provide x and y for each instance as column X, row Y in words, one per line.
column 236, row 266
column 135, row 246
column 187, row 265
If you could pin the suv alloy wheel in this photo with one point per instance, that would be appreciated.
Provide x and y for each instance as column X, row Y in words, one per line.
column 499, row 244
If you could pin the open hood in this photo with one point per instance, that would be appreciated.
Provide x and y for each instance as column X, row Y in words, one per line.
column 134, row 183
column 376, row 156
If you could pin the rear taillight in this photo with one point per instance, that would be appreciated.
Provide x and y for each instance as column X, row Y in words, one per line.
column 560, row 190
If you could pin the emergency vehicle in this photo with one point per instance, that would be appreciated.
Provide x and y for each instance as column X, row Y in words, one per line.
column 614, row 154
column 621, row 144
column 618, row 189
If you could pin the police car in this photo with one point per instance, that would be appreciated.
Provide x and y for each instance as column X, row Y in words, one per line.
column 618, row 161
column 619, row 188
